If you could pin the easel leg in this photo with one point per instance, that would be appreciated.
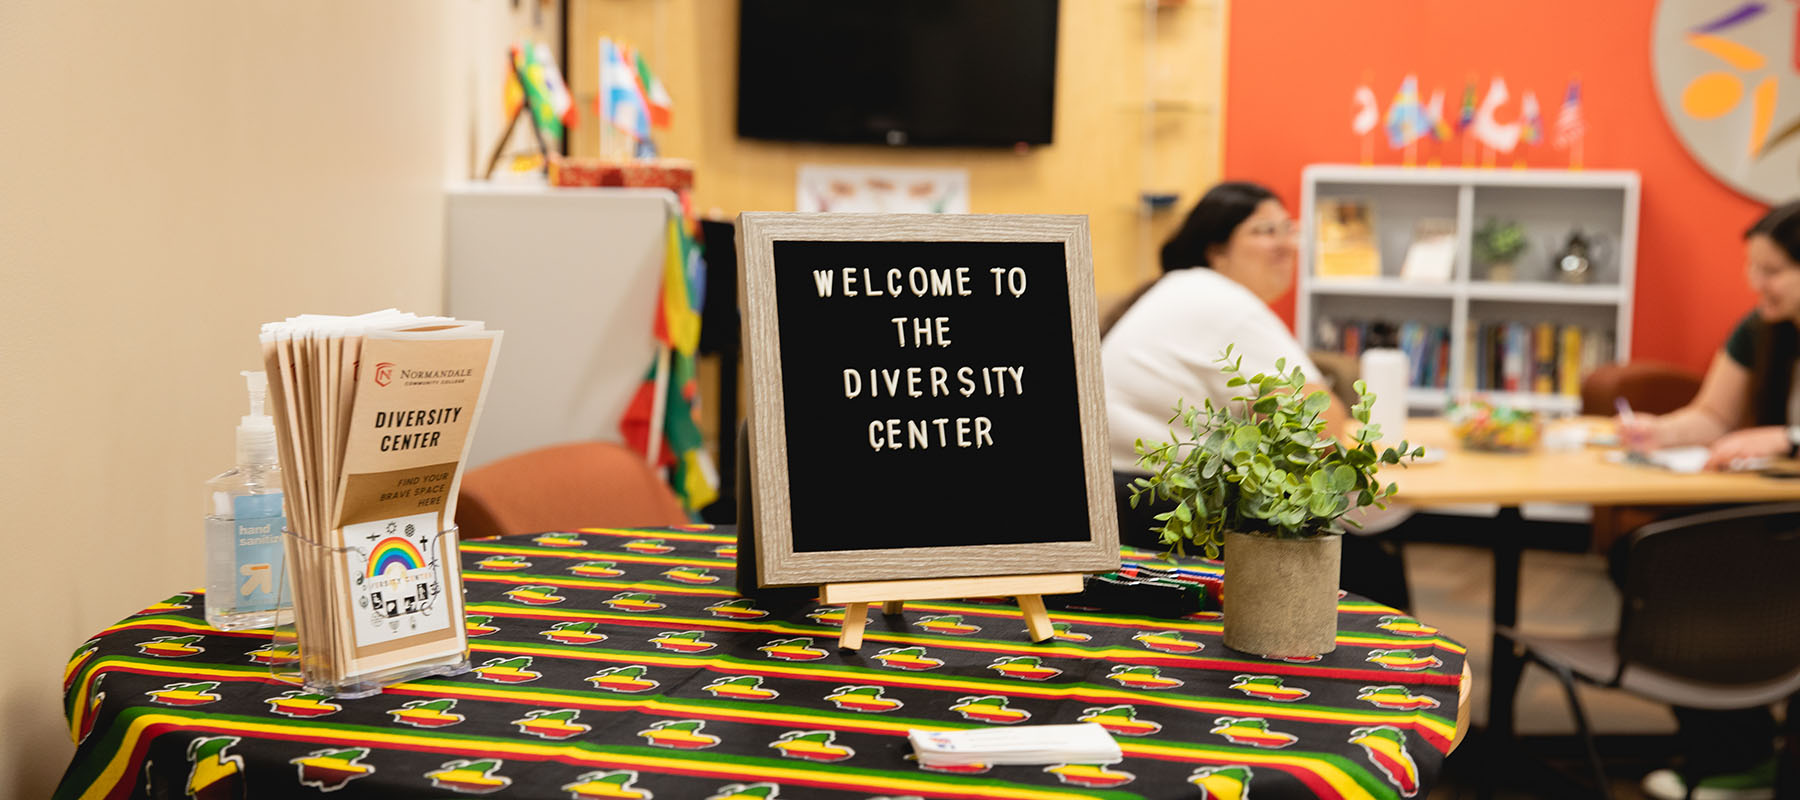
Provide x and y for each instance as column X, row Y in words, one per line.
column 893, row 607
column 854, row 616
column 1037, row 620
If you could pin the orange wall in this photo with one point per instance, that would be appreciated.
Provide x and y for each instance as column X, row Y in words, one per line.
column 1293, row 65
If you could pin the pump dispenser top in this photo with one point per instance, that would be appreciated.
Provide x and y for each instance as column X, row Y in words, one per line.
column 256, row 431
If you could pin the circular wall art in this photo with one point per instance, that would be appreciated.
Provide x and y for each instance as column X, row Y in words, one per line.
column 1728, row 76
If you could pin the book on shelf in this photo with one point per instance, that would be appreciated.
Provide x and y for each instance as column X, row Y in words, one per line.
column 1346, row 242
column 1543, row 358
column 1426, row 345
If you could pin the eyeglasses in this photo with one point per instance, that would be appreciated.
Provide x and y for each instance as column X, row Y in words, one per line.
column 1281, row 229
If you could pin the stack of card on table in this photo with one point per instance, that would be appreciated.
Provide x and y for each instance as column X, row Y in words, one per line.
column 373, row 419
column 1082, row 743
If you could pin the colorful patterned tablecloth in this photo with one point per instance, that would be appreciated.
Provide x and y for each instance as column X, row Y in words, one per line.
column 621, row 664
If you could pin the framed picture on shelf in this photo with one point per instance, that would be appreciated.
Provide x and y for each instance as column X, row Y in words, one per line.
column 1432, row 254
column 1346, row 244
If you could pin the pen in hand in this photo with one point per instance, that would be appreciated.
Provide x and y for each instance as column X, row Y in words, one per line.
column 1631, row 433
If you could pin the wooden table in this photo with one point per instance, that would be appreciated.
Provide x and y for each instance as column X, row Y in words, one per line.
column 1551, row 476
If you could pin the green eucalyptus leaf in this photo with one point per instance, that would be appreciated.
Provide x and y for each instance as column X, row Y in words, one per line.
column 1317, row 402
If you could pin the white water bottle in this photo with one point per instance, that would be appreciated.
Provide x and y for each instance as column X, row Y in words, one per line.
column 1385, row 372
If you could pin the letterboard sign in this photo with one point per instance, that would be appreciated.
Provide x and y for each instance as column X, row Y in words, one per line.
column 925, row 397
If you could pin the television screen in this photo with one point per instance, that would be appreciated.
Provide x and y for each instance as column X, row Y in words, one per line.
column 900, row 72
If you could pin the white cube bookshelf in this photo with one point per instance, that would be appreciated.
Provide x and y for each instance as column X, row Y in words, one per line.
column 1549, row 204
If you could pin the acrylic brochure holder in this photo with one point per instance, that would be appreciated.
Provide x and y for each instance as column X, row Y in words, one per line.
column 393, row 599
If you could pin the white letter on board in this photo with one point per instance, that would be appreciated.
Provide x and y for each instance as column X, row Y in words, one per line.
column 899, row 328
column 912, row 382
column 869, row 285
column 852, row 384
column 984, row 431
column 942, row 283
column 891, row 377
column 875, row 435
column 962, row 431
column 822, row 278
column 999, row 276
column 940, row 381
column 1018, row 374
column 962, row 282
column 1015, row 281
column 919, row 280
column 940, row 422
column 893, row 434
column 894, row 281
column 849, row 282
column 915, row 435
column 968, row 383
column 943, row 330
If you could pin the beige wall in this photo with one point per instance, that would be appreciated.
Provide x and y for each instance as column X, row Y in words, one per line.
column 1107, row 147
column 171, row 176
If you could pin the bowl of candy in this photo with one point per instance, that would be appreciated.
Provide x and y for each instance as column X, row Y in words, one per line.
column 1495, row 429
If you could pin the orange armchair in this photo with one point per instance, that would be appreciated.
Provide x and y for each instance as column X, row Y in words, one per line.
column 1649, row 386
column 563, row 487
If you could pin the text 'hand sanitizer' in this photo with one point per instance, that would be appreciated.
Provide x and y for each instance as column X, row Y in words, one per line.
column 244, row 524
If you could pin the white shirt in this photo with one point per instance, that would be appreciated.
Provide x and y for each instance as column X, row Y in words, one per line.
column 1166, row 348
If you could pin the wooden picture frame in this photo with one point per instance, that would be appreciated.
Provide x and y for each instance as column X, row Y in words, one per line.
column 779, row 563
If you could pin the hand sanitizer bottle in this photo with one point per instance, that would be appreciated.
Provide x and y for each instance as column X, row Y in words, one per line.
column 244, row 523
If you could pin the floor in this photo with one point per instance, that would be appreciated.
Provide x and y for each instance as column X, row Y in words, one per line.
column 1559, row 592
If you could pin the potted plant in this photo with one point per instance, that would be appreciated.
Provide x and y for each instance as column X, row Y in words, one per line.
column 1262, row 479
column 1498, row 244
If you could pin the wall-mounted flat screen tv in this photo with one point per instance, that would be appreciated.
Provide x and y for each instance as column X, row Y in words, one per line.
column 898, row 72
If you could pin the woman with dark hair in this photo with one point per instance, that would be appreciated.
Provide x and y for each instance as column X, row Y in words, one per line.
column 1747, row 410
column 1232, row 256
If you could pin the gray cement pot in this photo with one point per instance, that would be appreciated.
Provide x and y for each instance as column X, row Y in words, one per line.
column 1281, row 594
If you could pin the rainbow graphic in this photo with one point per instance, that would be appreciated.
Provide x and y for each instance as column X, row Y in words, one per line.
column 1168, row 642
column 186, row 694
column 1386, row 747
column 427, row 713
column 629, row 679
column 503, row 563
column 1405, row 626
column 508, row 670
column 800, row 649
column 956, row 769
column 284, row 653
column 1395, row 697
column 1121, row 720
column 1253, row 731
column 1268, row 687
column 477, row 625
column 1223, row 783
column 329, row 770
column 1092, row 776
column 560, row 540
column 472, row 777
column 553, row 724
column 693, row 575
column 866, row 699
column 1140, row 677
column 679, row 734
column 911, row 659
column 174, row 603
column 1061, row 632
column 991, row 709
column 654, row 547
column 752, row 791
column 302, row 704
column 682, row 641
column 214, row 773
column 741, row 687
column 1403, row 660
column 740, row 608
column 607, row 783
column 951, row 625
column 391, row 554
column 597, row 569
column 171, row 646
column 1028, row 668
column 820, row 746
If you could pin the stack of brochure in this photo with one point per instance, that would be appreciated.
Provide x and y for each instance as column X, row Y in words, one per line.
column 373, row 418
column 1083, row 743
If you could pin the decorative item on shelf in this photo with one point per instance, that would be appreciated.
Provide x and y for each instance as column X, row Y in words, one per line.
column 1498, row 244
column 654, row 173
column 1574, row 264
column 1495, row 429
column 1346, row 246
column 1156, row 202
column 1432, row 254
column 1261, row 477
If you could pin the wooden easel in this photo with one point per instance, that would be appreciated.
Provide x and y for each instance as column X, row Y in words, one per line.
column 529, row 113
column 892, row 595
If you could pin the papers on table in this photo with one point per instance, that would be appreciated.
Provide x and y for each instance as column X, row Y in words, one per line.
column 1083, row 743
column 373, row 416
column 1686, row 460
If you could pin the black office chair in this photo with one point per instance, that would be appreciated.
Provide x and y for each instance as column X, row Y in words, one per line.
column 1710, row 619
